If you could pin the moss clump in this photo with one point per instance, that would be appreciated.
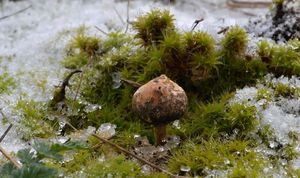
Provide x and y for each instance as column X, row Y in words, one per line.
column 234, row 43
column 207, row 120
column 75, row 61
column 34, row 119
column 84, row 44
column 280, row 59
column 201, row 55
column 81, row 49
column 217, row 118
column 264, row 93
column 152, row 26
column 241, row 117
column 7, row 83
column 228, row 156
column 286, row 91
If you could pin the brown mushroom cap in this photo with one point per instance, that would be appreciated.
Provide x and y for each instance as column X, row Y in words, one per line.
column 159, row 101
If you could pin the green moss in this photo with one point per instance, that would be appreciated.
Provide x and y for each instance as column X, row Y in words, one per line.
column 85, row 44
column 280, row 59
column 232, row 156
column 33, row 118
column 115, row 167
column 264, row 50
column 286, row 91
column 79, row 160
column 234, row 43
column 264, row 93
column 81, row 49
column 7, row 83
column 288, row 152
column 285, row 61
column 206, row 120
column 266, row 133
column 201, row 54
column 294, row 136
column 241, row 117
column 75, row 61
column 152, row 26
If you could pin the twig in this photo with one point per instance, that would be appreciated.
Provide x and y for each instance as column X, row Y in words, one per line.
column 105, row 33
column 196, row 23
column 133, row 155
column 131, row 83
column 127, row 20
column 15, row 163
column 97, row 146
column 119, row 15
column 15, row 13
column 223, row 30
column 128, row 153
column 244, row 4
column 5, row 133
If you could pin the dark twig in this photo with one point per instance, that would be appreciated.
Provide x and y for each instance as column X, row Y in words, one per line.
column 195, row 24
column 131, row 83
column 129, row 153
column 127, row 20
column 11, row 159
column 105, row 33
column 5, row 133
column 15, row 13
column 133, row 155
column 223, row 30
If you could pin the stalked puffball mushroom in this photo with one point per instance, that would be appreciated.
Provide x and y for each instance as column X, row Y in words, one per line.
column 159, row 102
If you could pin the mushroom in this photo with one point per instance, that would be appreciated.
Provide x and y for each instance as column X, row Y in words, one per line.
column 159, row 102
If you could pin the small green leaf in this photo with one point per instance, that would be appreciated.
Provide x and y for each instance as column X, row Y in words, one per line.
column 68, row 146
column 27, row 157
column 36, row 171
column 44, row 151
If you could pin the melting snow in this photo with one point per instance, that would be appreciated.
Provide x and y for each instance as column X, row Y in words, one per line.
column 282, row 114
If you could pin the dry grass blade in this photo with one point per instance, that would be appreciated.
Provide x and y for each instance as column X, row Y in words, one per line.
column 131, row 83
column 15, row 13
column 12, row 160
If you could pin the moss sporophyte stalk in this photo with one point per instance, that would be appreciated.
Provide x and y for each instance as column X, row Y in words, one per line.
column 217, row 135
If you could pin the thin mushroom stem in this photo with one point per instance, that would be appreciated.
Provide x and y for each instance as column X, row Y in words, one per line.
column 160, row 133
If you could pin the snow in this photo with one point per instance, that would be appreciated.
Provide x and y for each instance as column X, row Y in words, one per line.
column 281, row 114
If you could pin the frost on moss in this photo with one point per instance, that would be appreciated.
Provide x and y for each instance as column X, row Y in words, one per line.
column 33, row 120
column 7, row 83
column 232, row 158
